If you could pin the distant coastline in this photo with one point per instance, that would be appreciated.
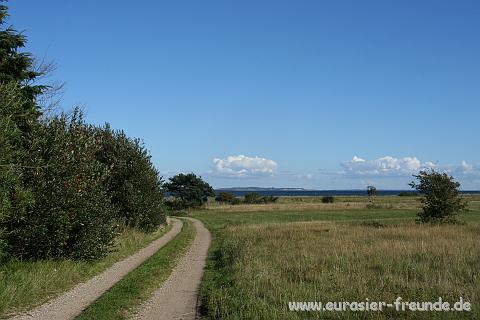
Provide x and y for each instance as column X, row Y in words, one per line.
column 264, row 189
column 302, row 192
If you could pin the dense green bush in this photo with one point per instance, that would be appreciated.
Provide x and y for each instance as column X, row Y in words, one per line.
column 441, row 197
column 14, row 196
column 227, row 197
column 408, row 194
column 71, row 215
column 270, row 199
column 255, row 198
column 133, row 183
column 73, row 189
column 328, row 199
column 188, row 191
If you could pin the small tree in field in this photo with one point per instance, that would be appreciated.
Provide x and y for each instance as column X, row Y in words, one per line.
column 189, row 190
column 372, row 193
column 441, row 197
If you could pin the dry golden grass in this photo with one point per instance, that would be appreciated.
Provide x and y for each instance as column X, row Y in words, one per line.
column 256, row 269
column 309, row 206
column 285, row 207
column 341, row 203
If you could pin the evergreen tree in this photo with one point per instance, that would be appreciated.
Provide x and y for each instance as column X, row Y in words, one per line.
column 14, row 197
column 19, row 115
column 18, row 67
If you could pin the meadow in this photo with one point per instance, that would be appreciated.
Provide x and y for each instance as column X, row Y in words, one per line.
column 299, row 249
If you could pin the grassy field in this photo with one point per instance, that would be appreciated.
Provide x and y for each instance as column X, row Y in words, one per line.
column 138, row 285
column 344, row 202
column 303, row 250
column 26, row 284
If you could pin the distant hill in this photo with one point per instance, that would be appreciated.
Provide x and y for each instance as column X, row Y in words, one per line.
column 243, row 189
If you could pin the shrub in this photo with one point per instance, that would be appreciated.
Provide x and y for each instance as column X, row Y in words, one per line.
column 133, row 182
column 408, row 194
column 227, row 197
column 328, row 199
column 70, row 215
column 255, row 198
column 174, row 204
column 67, row 194
column 441, row 197
column 14, row 196
column 236, row 201
column 189, row 191
column 270, row 199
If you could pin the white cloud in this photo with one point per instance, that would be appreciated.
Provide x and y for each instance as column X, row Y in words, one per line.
column 385, row 166
column 356, row 159
column 467, row 169
column 243, row 166
column 396, row 167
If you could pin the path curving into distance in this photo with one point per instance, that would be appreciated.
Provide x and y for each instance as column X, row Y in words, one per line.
column 71, row 303
column 178, row 296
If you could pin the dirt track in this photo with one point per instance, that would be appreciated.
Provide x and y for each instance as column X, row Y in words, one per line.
column 178, row 295
column 73, row 302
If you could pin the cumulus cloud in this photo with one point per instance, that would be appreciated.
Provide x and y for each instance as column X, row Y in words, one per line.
column 390, row 167
column 243, row 166
column 385, row 166
column 467, row 169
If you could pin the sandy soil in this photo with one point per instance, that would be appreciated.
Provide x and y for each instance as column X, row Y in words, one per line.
column 73, row 302
column 177, row 298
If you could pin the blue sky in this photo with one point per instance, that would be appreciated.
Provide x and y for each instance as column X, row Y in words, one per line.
column 315, row 94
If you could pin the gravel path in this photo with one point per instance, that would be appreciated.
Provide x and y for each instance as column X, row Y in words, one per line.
column 177, row 297
column 73, row 302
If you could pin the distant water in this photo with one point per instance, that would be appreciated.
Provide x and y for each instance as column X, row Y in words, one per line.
column 317, row 193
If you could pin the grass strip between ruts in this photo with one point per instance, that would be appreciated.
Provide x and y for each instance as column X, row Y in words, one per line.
column 138, row 285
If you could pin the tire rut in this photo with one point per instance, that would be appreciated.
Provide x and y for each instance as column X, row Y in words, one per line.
column 178, row 296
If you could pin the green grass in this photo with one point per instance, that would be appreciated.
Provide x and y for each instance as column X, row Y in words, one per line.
column 25, row 284
column 256, row 269
column 138, row 285
column 260, row 260
column 216, row 219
